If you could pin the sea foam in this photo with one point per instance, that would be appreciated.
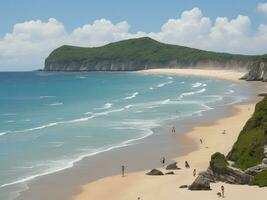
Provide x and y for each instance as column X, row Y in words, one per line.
column 106, row 106
column 163, row 84
column 131, row 96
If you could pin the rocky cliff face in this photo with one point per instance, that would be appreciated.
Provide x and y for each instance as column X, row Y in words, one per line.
column 110, row 65
column 257, row 72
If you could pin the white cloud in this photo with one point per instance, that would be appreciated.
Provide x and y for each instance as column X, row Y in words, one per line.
column 30, row 42
column 183, row 30
column 262, row 7
column 100, row 32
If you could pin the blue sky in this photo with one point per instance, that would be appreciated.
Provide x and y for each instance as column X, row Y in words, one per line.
column 145, row 15
column 31, row 29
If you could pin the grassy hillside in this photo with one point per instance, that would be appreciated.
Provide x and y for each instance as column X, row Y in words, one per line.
column 139, row 50
column 248, row 149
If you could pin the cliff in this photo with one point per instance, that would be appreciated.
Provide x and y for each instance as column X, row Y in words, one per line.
column 139, row 54
column 257, row 71
column 250, row 148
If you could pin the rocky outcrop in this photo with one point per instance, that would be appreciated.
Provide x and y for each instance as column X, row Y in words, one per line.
column 172, row 166
column 155, row 172
column 113, row 65
column 257, row 72
column 200, row 183
column 219, row 170
column 229, row 175
column 253, row 171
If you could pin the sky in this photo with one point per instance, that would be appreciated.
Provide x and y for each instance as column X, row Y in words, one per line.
column 31, row 29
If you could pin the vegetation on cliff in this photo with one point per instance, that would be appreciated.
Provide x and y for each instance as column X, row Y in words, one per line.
column 141, row 50
column 261, row 179
column 248, row 150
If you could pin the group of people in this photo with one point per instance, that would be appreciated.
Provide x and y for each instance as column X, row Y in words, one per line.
column 163, row 162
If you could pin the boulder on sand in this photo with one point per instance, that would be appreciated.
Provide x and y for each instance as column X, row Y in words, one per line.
column 201, row 183
column 172, row 166
column 169, row 173
column 155, row 172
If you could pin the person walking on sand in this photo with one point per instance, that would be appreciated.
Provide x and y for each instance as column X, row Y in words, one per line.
column 194, row 172
column 122, row 170
column 201, row 141
column 224, row 131
column 186, row 164
column 163, row 161
column 222, row 191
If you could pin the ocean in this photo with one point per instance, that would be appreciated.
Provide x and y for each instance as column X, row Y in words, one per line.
column 50, row 121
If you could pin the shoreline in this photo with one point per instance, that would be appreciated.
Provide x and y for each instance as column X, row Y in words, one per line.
column 137, row 184
column 221, row 74
column 72, row 179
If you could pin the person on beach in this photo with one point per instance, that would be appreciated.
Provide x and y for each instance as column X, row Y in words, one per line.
column 201, row 141
column 122, row 170
column 194, row 172
column 173, row 130
column 222, row 191
column 163, row 161
column 186, row 164
column 224, row 131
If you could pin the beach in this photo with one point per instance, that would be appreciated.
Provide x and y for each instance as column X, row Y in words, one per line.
column 137, row 184
column 211, row 73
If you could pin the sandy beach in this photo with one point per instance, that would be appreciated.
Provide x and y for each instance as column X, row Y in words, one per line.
column 211, row 73
column 137, row 184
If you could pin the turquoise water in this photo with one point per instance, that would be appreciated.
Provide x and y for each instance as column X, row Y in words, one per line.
column 49, row 121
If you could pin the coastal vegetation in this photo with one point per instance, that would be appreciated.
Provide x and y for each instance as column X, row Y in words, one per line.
column 261, row 179
column 142, row 49
column 218, row 161
column 247, row 154
column 248, row 150
column 134, row 54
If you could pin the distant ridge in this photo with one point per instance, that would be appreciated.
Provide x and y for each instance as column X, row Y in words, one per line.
column 139, row 54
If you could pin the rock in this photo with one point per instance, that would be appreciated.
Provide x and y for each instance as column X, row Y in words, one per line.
column 201, row 183
column 183, row 186
column 208, row 175
column 262, row 94
column 172, row 166
column 169, row 173
column 227, row 175
column 232, row 176
column 255, row 169
column 257, row 72
column 155, row 172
